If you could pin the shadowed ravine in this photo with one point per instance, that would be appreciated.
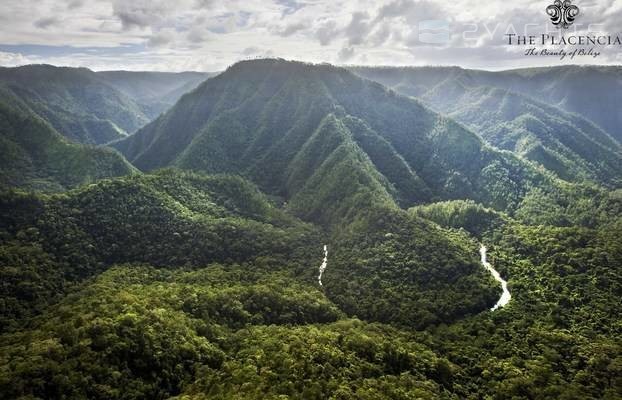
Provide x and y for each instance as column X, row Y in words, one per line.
column 506, row 296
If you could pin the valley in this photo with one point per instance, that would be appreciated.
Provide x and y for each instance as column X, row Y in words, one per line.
column 161, row 233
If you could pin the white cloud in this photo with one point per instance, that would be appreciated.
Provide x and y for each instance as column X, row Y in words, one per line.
column 46, row 22
column 13, row 59
column 211, row 34
column 346, row 54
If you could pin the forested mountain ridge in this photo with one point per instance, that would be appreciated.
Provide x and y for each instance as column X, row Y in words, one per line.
column 573, row 88
column 95, row 107
column 168, row 219
column 77, row 103
column 293, row 128
column 208, row 269
column 173, row 219
column 567, row 144
column 508, row 116
column 36, row 157
column 590, row 91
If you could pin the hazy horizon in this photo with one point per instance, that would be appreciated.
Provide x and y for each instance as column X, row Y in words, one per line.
column 336, row 65
column 208, row 35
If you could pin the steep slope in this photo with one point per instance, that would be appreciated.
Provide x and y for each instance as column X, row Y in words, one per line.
column 262, row 118
column 568, row 144
column 594, row 92
column 155, row 91
column 35, row 156
column 75, row 101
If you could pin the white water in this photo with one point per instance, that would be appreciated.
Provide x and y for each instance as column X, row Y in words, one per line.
column 506, row 296
column 323, row 266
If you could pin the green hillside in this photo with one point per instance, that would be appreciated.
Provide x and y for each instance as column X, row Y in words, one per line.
column 139, row 332
column 75, row 101
column 176, row 219
column 295, row 128
column 36, row 157
column 559, row 337
column 568, row 144
column 572, row 147
column 96, row 107
column 587, row 90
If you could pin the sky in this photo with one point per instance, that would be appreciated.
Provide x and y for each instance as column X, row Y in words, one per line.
column 209, row 35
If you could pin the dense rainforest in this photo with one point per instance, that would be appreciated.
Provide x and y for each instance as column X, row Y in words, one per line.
column 183, row 261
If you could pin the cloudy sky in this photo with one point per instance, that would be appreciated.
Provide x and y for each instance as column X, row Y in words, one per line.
column 208, row 35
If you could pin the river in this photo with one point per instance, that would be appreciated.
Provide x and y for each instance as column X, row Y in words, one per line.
column 506, row 296
column 323, row 266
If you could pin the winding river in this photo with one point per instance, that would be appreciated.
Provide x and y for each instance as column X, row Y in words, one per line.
column 323, row 266
column 506, row 296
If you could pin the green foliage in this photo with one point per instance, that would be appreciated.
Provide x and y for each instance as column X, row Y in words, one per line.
column 345, row 360
column 35, row 156
column 559, row 337
column 187, row 286
column 403, row 270
column 456, row 214
column 592, row 92
column 75, row 101
column 509, row 117
column 315, row 134
column 168, row 219
column 138, row 332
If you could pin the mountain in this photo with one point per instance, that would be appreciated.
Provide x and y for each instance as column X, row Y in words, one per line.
column 566, row 143
column 174, row 219
column 590, row 91
column 36, row 157
column 317, row 134
column 301, row 232
column 95, row 107
column 573, row 88
column 180, row 285
column 155, row 91
column 108, row 275
column 75, row 101
column 342, row 175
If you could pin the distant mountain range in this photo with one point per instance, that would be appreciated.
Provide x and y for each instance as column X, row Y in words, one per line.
column 95, row 107
column 544, row 114
column 590, row 91
column 35, row 156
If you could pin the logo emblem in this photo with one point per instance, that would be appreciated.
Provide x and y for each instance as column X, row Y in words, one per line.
column 562, row 13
